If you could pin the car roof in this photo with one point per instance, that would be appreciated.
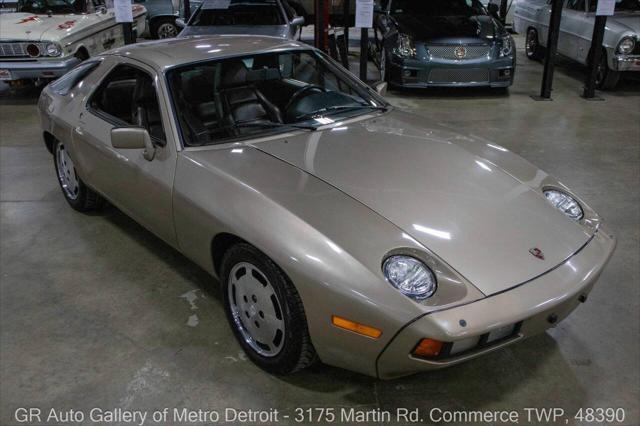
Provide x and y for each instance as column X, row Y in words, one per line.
column 164, row 54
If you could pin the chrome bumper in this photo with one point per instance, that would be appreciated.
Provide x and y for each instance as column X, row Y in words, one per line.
column 37, row 68
column 626, row 63
column 530, row 309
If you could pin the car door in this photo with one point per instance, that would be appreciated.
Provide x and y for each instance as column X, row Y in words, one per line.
column 573, row 15
column 129, row 96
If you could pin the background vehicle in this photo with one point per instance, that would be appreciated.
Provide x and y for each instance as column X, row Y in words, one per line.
column 621, row 42
column 46, row 38
column 441, row 43
column 261, row 17
column 162, row 15
column 339, row 226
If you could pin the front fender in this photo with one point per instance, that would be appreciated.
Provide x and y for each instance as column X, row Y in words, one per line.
column 330, row 246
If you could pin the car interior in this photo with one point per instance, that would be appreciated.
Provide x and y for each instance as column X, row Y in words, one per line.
column 235, row 97
column 128, row 95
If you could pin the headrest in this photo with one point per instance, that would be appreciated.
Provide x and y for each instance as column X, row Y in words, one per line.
column 234, row 73
column 198, row 88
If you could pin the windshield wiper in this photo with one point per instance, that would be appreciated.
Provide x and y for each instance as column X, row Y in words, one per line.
column 273, row 125
column 322, row 111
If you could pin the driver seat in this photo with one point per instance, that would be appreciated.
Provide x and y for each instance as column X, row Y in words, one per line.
column 244, row 103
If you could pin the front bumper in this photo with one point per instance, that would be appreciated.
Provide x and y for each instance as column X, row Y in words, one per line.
column 30, row 69
column 626, row 62
column 451, row 73
column 530, row 308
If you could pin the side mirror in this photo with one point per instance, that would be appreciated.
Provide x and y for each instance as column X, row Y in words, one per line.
column 494, row 10
column 180, row 23
column 298, row 21
column 380, row 87
column 133, row 138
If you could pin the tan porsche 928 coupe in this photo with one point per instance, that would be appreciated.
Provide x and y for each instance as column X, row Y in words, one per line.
column 341, row 228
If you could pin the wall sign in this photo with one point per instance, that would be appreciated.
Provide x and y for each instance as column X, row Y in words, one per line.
column 606, row 7
column 364, row 13
column 123, row 10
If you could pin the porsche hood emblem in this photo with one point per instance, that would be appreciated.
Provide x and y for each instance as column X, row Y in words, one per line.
column 536, row 252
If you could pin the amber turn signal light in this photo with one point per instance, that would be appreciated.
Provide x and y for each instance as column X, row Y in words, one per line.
column 429, row 348
column 365, row 330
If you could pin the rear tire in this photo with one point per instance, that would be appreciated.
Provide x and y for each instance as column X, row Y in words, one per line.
column 78, row 195
column 265, row 311
column 533, row 49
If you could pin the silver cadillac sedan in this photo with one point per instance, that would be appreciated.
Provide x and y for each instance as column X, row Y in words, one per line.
column 340, row 228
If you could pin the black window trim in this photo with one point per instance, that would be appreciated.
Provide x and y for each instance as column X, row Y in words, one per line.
column 115, row 120
column 92, row 64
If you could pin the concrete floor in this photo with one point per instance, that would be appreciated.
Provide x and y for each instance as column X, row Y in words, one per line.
column 97, row 312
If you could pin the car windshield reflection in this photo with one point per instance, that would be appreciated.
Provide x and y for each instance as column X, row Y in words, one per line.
column 240, row 97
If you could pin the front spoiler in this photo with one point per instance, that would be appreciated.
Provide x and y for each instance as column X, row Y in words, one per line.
column 39, row 68
column 420, row 71
column 553, row 295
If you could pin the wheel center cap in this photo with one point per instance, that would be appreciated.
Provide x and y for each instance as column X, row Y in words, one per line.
column 252, row 310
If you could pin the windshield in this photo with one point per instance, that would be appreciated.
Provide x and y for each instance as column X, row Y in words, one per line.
column 46, row 6
column 238, row 12
column 621, row 6
column 241, row 97
column 437, row 7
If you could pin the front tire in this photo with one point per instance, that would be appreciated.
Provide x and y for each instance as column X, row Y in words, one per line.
column 606, row 78
column 164, row 28
column 77, row 194
column 533, row 49
column 265, row 311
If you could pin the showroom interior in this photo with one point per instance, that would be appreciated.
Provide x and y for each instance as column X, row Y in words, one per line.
column 102, row 315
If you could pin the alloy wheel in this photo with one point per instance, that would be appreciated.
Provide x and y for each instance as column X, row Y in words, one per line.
column 532, row 43
column 256, row 310
column 67, row 173
column 167, row 30
column 383, row 65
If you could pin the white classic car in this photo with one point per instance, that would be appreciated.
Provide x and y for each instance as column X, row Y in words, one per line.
column 621, row 39
column 44, row 39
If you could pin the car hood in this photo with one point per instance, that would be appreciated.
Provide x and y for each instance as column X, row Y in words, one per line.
column 267, row 30
column 32, row 27
column 628, row 21
column 472, row 214
column 28, row 26
column 443, row 28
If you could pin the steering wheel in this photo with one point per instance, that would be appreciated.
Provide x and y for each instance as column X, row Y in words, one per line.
column 299, row 94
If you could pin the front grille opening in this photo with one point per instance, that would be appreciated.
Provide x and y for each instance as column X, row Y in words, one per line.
column 474, row 344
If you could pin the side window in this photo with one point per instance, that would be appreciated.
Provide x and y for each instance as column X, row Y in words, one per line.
column 66, row 83
column 128, row 96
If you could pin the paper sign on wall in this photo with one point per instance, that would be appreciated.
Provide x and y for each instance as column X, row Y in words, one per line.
column 364, row 13
column 123, row 10
column 606, row 7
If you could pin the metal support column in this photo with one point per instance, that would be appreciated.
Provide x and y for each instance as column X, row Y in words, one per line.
column 552, row 47
column 127, row 30
column 589, row 91
column 187, row 10
column 321, row 23
column 364, row 50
